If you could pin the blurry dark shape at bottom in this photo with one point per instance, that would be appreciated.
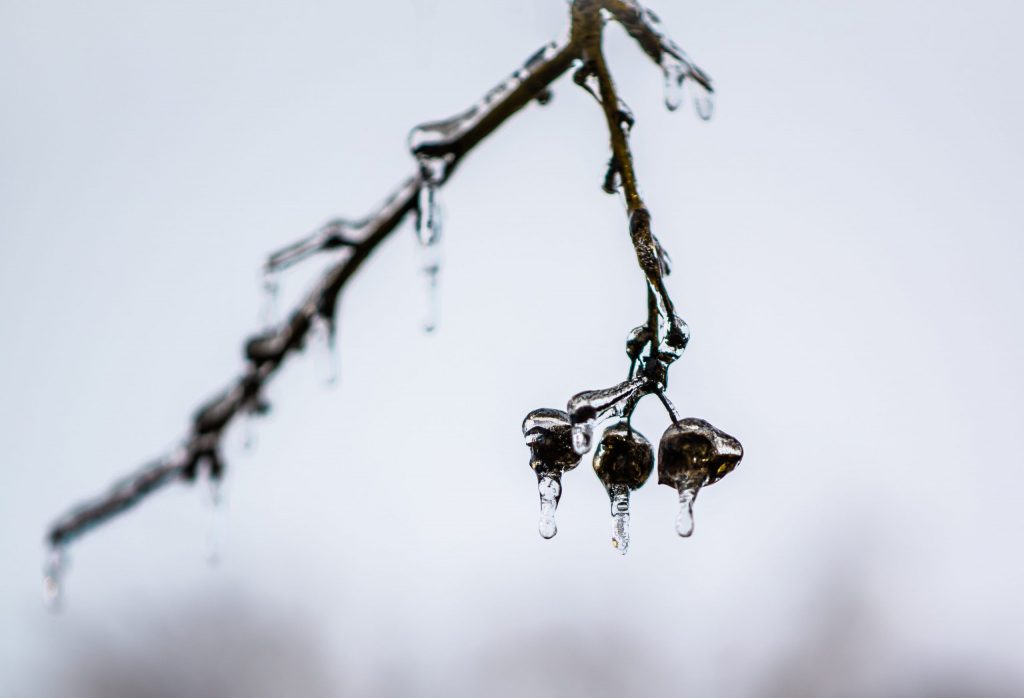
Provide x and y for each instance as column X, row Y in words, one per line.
column 229, row 648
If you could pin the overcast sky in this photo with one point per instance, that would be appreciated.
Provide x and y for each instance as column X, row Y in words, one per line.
column 846, row 234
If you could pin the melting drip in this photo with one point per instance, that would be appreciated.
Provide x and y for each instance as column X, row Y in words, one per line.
column 550, row 490
column 684, row 521
column 53, row 578
column 620, row 514
column 680, row 74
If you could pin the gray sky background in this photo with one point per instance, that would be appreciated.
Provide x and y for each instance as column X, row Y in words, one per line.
column 847, row 248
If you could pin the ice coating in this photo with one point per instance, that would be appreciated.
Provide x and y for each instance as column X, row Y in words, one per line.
column 440, row 136
column 590, row 407
column 332, row 235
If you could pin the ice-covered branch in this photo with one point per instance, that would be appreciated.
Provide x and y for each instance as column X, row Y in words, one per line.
column 438, row 148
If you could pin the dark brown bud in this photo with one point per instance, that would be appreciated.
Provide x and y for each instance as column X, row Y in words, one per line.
column 624, row 457
column 548, row 433
column 693, row 454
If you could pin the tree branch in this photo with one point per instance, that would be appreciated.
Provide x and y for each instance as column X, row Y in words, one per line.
column 439, row 147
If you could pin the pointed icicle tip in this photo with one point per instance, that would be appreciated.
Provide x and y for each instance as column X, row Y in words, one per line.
column 550, row 490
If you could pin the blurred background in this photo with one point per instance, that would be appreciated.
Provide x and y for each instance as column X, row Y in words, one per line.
column 847, row 242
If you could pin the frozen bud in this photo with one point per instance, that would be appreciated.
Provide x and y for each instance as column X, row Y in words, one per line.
column 694, row 454
column 623, row 460
column 548, row 433
column 624, row 457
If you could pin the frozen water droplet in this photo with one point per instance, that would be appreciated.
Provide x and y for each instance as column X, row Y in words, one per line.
column 682, row 76
column 550, row 490
column 620, row 514
column 675, row 79
column 583, row 436
column 704, row 101
column 53, row 578
column 684, row 521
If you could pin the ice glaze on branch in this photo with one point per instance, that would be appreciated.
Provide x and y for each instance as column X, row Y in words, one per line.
column 439, row 147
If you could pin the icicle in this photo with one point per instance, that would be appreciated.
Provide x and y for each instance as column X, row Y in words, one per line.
column 620, row 513
column 215, row 536
column 271, row 288
column 428, row 232
column 680, row 74
column 675, row 79
column 684, row 521
column 428, row 222
column 704, row 101
column 53, row 577
column 550, row 490
column 324, row 335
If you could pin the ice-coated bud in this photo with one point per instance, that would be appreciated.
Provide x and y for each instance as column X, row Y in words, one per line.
column 694, row 454
column 548, row 433
column 623, row 458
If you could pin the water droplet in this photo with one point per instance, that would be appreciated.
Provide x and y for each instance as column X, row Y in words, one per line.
column 704, row 101
column 620, row 515
column 681, row 77
column 53, row 578
column 684, row 520
column 550, row 490
column 675, row 79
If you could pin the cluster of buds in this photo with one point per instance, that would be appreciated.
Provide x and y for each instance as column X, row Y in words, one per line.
column 692, row 453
